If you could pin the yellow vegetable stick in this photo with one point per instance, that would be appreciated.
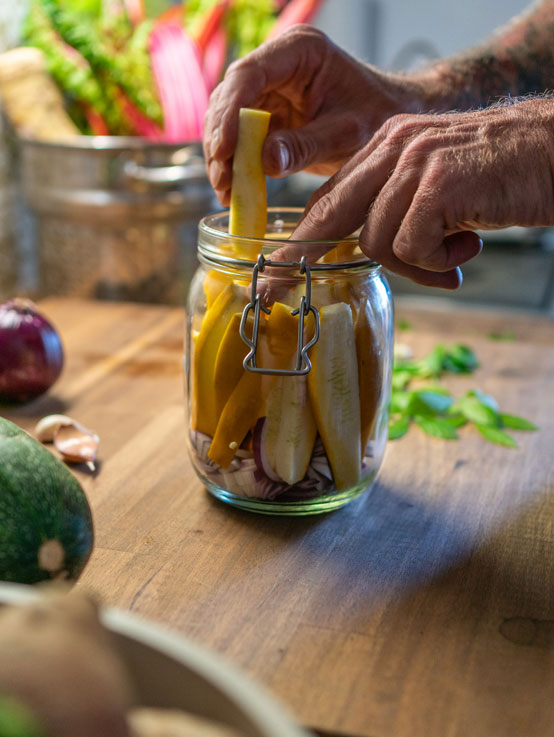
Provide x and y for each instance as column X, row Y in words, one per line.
column 369, row 373
column 248, row 213
column 228, row 369
column 237, row 418
column 214, row 283
column 341, row 252
column 245, row 392
column 204, row 415
column 291, row 428
column 278, row 338
column 334, row 393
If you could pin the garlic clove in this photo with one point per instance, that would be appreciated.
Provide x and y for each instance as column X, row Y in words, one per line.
column 46, row 428
column 77, row 444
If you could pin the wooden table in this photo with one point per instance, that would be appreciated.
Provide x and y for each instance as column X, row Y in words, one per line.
column 423, row 609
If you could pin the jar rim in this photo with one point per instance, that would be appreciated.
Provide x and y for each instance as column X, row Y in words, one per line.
column 210, row 255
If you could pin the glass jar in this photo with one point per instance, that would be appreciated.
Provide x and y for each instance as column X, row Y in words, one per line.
column 288, row 368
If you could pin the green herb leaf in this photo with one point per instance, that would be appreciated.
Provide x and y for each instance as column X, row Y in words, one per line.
column 455, row 420
column 401, row 379
column 398, row 428
column 426, row 401
column 432, row 364
column 403, row 325
column 496, row 435
column 437, row 427
column 475, row 411
column 460, row 359
column 516, row 423
column 399, row 402
column 485, row 399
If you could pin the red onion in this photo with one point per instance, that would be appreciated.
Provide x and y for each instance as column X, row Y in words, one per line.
column 31, row 353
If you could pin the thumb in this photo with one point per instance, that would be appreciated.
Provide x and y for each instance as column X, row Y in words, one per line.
column 320, row 142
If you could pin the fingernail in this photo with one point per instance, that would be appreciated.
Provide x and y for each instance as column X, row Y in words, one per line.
column 284, row 157
column 215, row 172
column 215, row 142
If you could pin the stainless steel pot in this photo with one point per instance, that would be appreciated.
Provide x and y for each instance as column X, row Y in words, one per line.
column 116, row 218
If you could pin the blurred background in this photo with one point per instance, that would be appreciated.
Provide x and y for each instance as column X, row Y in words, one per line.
column 119, row 222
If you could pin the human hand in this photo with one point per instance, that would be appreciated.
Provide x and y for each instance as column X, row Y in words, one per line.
column 424, row 182
column 325, row 105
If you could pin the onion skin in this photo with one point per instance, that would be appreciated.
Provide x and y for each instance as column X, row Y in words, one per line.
column 31, row 352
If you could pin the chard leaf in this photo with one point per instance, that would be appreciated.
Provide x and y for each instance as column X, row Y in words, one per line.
column 438, row 427
column 398, row 428
column 496, row 435
column 516, row 423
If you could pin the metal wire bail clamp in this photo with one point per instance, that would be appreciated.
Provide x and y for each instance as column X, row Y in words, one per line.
column 303, row 363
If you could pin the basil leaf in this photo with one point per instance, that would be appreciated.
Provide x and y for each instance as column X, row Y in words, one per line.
column 475, row 411
column 460, row 359
column 432, row 365
column 399, row 402
column 437, row 427
column 455, row 420
column 516, row 423
column 496, row 435
column 426, row 401
column 398, row 428
column 401, row 379
column 485, row 399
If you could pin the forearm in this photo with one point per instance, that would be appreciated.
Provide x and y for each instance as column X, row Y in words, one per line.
column 517, row 60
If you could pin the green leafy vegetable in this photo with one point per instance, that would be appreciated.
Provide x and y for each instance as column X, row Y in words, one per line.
column 398, row 428
column 496, row 435
column 516, row 423
column 437, row 426
column 435, row 411
column 116, row 55
column 72, row 72
column 476, row 411
column 249, row 22
column 456, row 359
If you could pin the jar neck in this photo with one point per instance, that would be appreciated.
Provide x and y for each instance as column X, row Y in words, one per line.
column 219, row 249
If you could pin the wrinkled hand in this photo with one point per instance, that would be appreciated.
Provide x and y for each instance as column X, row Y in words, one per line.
column 424, row 182
column 325, row 106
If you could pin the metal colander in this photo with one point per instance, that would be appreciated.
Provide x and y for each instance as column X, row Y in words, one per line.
column 116, row 218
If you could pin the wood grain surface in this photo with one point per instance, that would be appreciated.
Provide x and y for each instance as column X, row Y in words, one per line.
column 423, row 609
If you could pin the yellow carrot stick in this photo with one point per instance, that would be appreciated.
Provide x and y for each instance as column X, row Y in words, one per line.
column 248, row 212
column 204, row 414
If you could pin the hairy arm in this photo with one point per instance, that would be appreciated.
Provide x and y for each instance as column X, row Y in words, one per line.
column 518, row 60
